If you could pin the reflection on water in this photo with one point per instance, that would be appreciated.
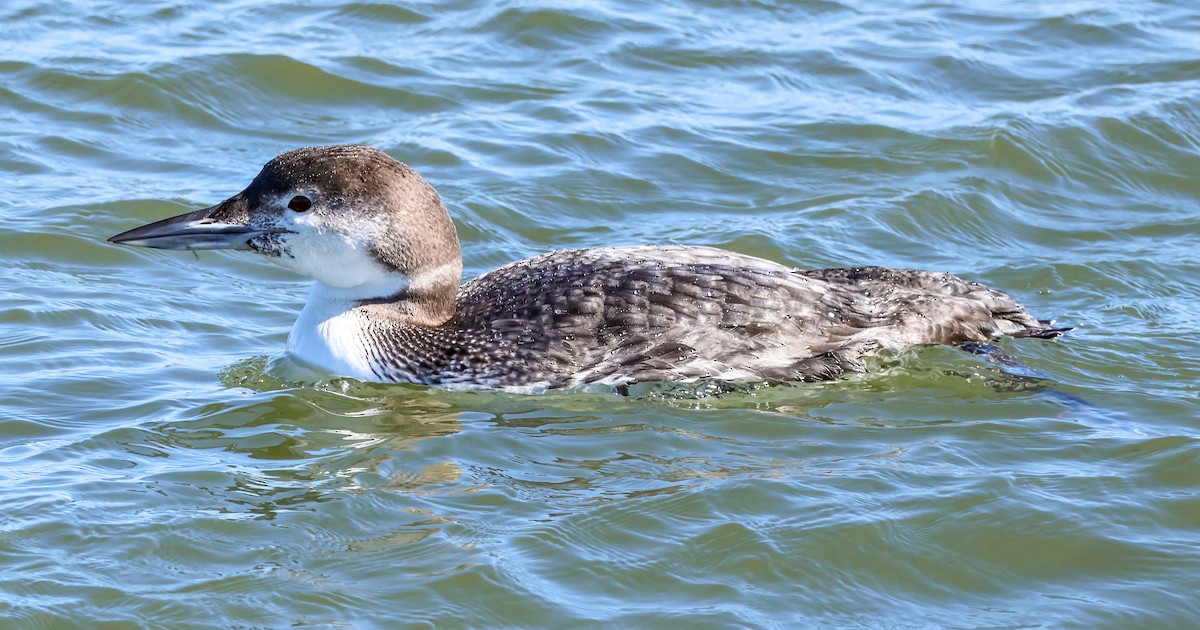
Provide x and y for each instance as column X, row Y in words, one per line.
column 158, row 468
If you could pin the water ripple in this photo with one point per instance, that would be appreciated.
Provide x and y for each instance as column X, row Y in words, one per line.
column 156, row 467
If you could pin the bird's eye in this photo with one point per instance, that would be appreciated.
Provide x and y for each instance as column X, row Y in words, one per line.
column 300, row 203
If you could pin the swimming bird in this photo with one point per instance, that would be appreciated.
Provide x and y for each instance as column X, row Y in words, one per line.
column 387, row 305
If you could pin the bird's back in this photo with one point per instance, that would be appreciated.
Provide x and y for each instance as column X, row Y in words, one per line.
column 621, row 315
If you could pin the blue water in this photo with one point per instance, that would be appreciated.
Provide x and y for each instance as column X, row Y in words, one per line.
column 156, row 471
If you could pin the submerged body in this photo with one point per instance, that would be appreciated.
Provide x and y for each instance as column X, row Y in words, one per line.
column 386, row 306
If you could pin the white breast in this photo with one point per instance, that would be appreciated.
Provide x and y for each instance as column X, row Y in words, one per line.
column 328, row 336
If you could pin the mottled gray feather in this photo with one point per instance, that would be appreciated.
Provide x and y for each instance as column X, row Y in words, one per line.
column 621, row 315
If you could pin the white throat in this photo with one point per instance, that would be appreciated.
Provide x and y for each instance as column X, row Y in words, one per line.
column 331, row 336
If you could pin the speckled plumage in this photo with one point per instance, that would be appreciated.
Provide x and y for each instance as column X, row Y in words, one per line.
column 636, row 314
column 387, row 305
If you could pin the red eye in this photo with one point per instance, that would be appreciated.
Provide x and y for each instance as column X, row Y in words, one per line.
column 300, row 203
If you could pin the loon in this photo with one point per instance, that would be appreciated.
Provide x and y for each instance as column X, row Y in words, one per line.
column 387, row 305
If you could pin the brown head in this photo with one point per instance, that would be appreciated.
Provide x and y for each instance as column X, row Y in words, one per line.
column 349, row 216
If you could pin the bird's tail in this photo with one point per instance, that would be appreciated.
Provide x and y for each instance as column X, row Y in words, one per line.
column 1046, row 330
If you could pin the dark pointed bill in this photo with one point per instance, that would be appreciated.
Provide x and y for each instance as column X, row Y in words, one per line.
column 191, row 230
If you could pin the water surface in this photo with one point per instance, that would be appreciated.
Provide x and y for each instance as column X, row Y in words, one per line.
column 155, row 471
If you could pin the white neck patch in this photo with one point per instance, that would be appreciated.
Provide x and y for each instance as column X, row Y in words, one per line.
column 329, row 334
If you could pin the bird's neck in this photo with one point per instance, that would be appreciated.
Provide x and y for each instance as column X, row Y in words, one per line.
column 336, row 330
column 425, row 298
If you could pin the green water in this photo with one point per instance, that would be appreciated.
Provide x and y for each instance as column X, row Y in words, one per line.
column 156, row 471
